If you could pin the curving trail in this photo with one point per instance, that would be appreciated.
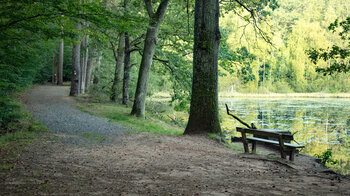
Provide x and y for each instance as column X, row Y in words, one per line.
column 52, row 106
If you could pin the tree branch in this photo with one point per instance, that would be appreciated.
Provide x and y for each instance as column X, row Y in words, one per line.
column 161, row 10
column 149, row 9
column 241, row 121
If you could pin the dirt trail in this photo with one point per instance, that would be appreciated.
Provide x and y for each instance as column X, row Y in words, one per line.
column 149, row 164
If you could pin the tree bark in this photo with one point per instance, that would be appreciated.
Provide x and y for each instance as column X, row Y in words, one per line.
column 60, row 63
column 204, row 100
column 138, row 108
column 83, row 62
column 75, row 82
column 98, row 64
column 119, row 58
column 90, row 64
column 54, row 69
column 126, row 78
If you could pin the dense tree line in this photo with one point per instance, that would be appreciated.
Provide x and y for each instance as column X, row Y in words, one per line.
column 130, row 49
column 295, row 28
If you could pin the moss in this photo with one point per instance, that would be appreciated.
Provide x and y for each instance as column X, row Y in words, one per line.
column 6, row 166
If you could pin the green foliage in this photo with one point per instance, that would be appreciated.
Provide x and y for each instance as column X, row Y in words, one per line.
column 9, row 113
column 294, row 27
column 6, row 166
column 337, row 55
column 326, row 157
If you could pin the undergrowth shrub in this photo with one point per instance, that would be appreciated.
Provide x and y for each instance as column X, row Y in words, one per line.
column 9, row 113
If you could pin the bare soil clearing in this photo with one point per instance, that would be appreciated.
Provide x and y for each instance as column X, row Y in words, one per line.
column 150, row 164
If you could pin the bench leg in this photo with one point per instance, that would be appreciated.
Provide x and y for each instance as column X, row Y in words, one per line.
column 245, row 142
column 291, row 155
column 283, row 153
column 253, row 146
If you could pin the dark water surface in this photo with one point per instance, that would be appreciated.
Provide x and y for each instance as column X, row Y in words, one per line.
column 319, row 124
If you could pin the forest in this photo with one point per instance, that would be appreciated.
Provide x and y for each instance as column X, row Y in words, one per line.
column 266, row 47
column 128, row 96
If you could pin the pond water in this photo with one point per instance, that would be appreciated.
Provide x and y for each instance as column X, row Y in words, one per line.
column 319, row 124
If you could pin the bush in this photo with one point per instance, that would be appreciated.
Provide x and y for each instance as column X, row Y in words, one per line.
column 282, row 87
column 9, row 113
column 326, row 157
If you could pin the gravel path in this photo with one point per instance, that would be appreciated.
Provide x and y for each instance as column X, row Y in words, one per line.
column 52, row 106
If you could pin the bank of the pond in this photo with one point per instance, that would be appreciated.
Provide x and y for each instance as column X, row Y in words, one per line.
column 156, row 123
column 166, row 96
column 283, row 95
column 321, row 124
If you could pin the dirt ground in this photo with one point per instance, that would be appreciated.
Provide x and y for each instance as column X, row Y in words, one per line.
column 150, row 164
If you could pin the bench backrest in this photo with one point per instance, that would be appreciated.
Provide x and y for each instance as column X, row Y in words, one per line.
column 265, row 133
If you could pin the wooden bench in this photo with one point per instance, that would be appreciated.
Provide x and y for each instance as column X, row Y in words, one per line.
column 280, row 136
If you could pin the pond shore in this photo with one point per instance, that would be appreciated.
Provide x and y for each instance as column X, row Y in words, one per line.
column 284, row 95
column 166, row 96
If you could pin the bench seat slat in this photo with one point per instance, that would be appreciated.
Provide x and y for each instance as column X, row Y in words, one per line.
column 274, row 142
column 265, row 132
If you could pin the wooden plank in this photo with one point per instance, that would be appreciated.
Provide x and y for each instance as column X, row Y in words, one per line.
column 273, row 142
column 265, row 132
column 284, row 147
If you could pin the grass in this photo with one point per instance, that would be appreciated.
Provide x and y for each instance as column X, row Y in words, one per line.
column 17, row 136
column 226, row 144
column 92, row 137
column 119, row 114
column 6, row 166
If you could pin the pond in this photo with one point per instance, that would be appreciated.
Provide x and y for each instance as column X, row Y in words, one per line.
column 319, row 124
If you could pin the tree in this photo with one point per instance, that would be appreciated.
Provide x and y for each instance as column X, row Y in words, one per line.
column 337, row 56
column 156, row 18
column 54, row 69
column 204, row 100
column 126, row 77
column 119, row 59
column 75, row 81
column 83, row 62
column 129, row 48
column 90, row 64
column 60, row 63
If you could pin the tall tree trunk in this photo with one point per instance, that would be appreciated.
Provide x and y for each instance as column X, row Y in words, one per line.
column 84, row 59
column 126, row 78
column 75, row 82
column 138, row 108
column 60, row 63
column 119, row 58
column 54, row 69
column 90, row 64
column 204, row 101
column 98, row 64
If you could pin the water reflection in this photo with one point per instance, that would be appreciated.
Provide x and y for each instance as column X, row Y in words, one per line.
column 319, row 124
